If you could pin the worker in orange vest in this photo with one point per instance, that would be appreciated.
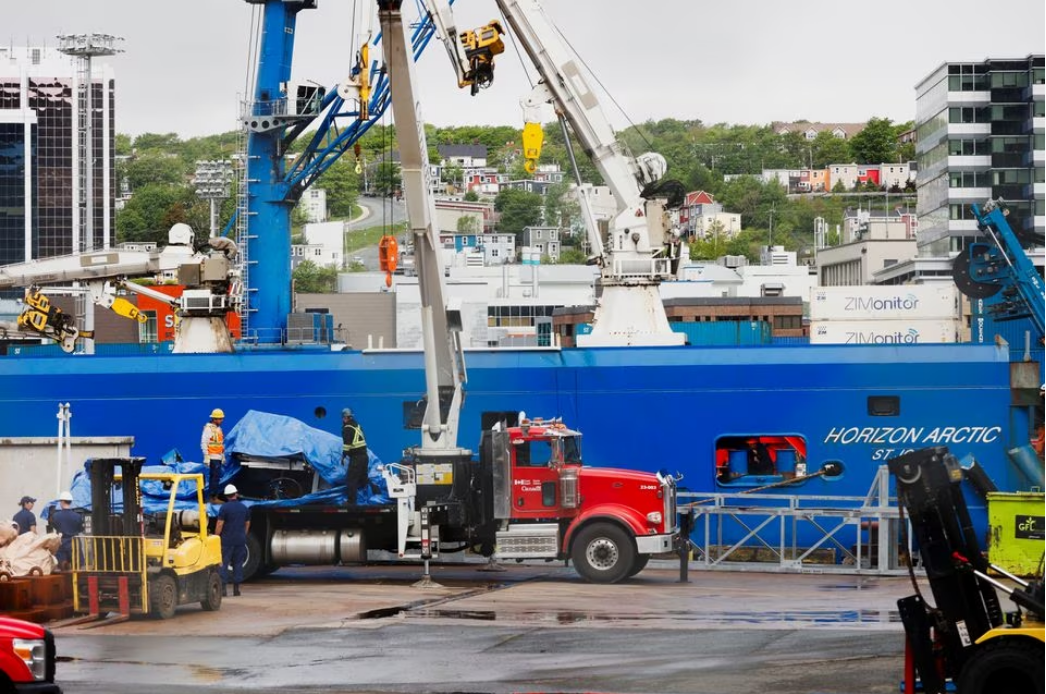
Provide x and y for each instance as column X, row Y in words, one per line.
column 212, row 443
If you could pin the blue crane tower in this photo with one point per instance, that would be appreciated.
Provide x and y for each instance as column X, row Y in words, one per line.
column 280, row 112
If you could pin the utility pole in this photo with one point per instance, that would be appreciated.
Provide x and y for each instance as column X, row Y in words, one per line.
column 770, row 237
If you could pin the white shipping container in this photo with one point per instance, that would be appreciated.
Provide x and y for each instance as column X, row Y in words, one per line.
column 882, row 332
column 879, row 302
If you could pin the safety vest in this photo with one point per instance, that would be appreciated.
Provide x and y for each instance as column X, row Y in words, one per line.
column 216, row 444
column 356, row 442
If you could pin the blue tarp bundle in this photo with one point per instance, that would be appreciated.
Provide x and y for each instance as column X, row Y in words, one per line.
column 260, row 435
column 265, row 435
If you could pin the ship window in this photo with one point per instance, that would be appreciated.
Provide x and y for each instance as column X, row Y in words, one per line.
column 759, row 459
column 884, row 405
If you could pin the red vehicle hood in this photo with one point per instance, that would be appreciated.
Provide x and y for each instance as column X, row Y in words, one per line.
column 18, row 629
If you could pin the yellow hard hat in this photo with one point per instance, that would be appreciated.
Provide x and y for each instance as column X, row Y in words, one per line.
column 217, row 414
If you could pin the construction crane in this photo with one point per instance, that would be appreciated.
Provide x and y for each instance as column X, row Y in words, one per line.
column 208, row 271
column 279, row 112
column 642, row 249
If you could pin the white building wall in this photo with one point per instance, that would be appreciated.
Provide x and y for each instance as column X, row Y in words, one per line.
column 330, row 236
column 314, row 202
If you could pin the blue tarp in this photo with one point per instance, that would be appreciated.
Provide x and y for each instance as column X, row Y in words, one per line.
column 260, row 435
column 265, row 435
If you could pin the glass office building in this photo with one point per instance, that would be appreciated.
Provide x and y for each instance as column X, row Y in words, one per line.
column 42, row 188
column 980, row 133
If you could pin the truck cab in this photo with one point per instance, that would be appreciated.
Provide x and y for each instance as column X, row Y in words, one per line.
column 548, row 505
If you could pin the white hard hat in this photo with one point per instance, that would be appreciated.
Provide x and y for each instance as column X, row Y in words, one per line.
column 65, row 496
column 230, row 489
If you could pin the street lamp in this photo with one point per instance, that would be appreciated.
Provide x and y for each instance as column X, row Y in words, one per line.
column 213, row 181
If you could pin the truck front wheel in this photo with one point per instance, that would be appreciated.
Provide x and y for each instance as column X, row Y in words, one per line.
column 603, row 553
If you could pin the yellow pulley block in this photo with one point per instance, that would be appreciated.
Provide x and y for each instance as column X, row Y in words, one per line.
column 533, row 137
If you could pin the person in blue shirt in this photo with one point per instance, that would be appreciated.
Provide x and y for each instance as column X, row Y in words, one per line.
column 234, row 522
column 69, row 524
column 25, row 518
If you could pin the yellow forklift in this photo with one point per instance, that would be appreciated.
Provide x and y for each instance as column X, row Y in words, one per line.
column 967, row 642
column 131, row 562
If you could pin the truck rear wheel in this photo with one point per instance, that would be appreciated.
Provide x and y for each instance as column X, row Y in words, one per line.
column 603, row 553
column 1004, row 665
column 253, row 563
column 163, row 596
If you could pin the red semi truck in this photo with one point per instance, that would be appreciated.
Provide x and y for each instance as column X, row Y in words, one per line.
column 527, row 496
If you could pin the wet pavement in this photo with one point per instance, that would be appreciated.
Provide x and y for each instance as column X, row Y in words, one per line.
column 531, row 628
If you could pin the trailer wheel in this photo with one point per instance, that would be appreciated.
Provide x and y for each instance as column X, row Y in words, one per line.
column 603, row 553
column 163, row 596
column 212, row 599
column 638, row 565
column 1004, row 665
column 253, row 563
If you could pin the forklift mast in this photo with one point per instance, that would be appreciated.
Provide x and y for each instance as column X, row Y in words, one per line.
column 929, row 490
column 103, row 473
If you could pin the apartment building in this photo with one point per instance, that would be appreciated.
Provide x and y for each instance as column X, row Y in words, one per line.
column 980, row 136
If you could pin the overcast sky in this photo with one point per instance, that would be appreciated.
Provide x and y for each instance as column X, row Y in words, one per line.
column 740, row 61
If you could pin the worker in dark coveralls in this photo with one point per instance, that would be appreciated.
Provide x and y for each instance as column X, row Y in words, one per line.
column 25, row 517
column 69, row 524
column 353, row 454
column 234, row 522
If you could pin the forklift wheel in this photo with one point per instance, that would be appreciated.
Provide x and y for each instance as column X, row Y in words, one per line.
column 163, row 596
column 1003, row 664
column 212, row 601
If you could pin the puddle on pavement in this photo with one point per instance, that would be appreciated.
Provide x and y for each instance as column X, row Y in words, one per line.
column 569, row 617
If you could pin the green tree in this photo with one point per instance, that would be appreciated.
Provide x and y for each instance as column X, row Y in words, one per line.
column 828, row 149
column 453, row 174
column 387, row 178
column 154, row 208
column 342, row 184
column 517, row 209
column 571, row 256
column 470, row 196
column 876, row 143
column 468, row 224
column 154, row 167
column 310, row 278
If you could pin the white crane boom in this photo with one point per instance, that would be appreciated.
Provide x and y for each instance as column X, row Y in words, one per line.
column 642, row 248
column 441, row 327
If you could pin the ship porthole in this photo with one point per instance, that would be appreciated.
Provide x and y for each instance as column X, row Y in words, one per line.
column 320, row 412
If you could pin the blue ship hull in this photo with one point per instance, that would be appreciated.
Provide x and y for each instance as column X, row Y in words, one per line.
column 640, row 408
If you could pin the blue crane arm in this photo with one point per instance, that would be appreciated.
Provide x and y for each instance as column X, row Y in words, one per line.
column 323, row 150
column 273, row 187
column 1005, row 262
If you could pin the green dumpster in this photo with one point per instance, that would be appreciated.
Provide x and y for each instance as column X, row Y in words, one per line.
column 1016, row 531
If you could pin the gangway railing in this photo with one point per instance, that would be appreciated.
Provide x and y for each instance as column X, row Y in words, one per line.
column 794, row 533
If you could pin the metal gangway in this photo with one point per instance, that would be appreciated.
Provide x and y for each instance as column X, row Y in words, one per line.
column 767, row 532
